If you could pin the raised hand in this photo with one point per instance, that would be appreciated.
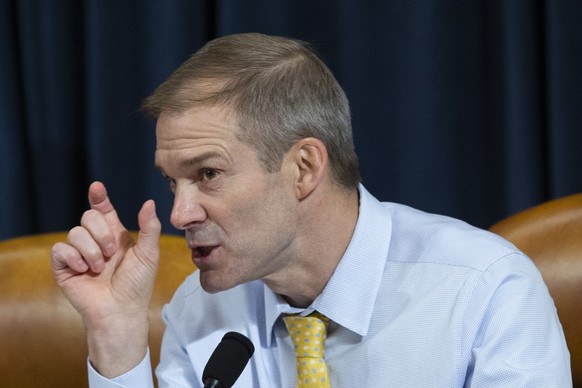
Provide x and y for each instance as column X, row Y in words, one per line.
column 109, row 279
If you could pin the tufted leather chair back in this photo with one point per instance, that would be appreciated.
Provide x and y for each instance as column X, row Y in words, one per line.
column 42, row 338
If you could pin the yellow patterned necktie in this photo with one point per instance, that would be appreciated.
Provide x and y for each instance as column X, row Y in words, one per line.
column 308, row 335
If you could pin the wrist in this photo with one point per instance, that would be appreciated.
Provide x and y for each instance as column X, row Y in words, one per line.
column 117, row 343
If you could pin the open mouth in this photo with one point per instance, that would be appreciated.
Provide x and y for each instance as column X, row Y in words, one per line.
column 202, row 251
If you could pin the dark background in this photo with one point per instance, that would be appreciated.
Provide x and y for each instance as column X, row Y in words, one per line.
column 467, row 108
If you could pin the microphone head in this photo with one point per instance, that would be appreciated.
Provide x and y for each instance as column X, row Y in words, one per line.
column 229, row 359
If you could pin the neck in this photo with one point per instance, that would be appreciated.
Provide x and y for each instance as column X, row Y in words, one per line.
column 326, row 227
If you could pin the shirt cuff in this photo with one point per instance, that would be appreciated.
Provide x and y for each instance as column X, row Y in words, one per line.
column 138, row 377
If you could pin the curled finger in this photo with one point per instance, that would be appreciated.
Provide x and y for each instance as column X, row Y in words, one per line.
column 97, row 226
column 82, row 240
column 64, row 256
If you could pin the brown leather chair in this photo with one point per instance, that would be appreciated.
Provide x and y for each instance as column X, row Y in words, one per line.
column 42, row 338
column 551, row 234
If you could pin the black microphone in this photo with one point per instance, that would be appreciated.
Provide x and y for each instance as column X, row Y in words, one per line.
column 227, row 361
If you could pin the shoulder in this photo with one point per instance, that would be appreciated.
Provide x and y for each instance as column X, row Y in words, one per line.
column 421, row 237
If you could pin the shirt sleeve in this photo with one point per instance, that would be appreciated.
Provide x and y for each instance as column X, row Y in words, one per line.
column 138, row 377
column 519, row 340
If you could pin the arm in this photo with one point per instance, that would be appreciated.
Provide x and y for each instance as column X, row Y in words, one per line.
column 109, row 279
column 518, row 337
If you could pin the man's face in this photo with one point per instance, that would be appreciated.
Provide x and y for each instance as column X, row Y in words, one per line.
column 239, row 220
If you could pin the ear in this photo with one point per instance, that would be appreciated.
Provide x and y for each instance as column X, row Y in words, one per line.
column 310, row 161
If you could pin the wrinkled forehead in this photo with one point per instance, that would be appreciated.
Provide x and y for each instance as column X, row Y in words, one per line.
column 196, row 123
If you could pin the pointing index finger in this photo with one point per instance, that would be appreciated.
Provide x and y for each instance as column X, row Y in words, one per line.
column 99, row 200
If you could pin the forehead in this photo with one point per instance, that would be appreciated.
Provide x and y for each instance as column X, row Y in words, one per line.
column 195, row 123
column 198, row 133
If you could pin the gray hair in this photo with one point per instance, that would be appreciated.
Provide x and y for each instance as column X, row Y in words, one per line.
column 279, row 91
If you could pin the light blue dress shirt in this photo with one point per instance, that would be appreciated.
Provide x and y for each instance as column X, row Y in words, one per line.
column 418, row 300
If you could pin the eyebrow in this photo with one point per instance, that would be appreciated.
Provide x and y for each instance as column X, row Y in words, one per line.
column 196, row 160
column 202, row 158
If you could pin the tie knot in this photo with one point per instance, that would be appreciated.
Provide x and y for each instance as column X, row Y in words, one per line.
column 308, row 334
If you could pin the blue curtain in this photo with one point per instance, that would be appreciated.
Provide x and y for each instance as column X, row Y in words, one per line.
column 467, row 108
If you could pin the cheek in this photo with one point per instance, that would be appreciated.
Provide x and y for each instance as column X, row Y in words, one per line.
column 265, row 224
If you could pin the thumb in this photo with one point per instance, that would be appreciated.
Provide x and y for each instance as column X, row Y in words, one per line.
column 148, row 240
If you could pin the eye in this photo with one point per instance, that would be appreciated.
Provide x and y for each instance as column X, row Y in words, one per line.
column 209, row 174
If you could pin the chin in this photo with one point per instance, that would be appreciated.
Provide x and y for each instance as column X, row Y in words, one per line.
column 213, row 284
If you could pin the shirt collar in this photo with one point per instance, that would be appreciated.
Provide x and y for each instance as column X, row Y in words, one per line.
column 350, row 294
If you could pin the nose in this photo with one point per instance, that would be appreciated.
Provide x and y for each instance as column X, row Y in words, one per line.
column 188, row 209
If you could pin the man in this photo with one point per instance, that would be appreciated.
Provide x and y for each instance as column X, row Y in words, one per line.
column 254, row 136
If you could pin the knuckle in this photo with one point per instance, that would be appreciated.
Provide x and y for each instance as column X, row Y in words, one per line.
column 61, row 254
column 75, row 232
column 93, row 253
column 88, row 215
column 57, row 251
